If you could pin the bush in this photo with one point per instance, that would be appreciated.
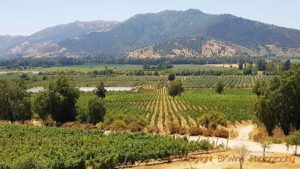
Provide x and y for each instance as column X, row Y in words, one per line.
column 174, row 128
column 221, row 133
column 220, row 87
column 207, row 132
column 96, row 111
column 212, row 120
column 195, row 131
column 118, row 125
column 137, row 122
column 28, row 163
column 153, row 129
column 175, row 89
column 182, row 131
column 4, row 166
column 135, row 127
column 171, row 77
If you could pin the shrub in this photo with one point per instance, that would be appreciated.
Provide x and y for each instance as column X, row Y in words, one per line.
column 135, row 127
column 136, row 121
column 182, row 131
column 153, row 129
column 221, row 133
column 195, row 131
column 27, row 163
column 175, row 89
column 96, row 111
column 207, row 132
column 118, row 125
column 171, row 77
column 220, row 87
column 212, row 120
column 174, row 128
column 4, row 166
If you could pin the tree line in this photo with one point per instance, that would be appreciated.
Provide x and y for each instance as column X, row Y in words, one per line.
column 57, row 103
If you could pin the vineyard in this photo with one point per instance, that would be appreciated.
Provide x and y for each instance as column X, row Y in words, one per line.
column 231, row 81
column 161, row 110
column 47, row 147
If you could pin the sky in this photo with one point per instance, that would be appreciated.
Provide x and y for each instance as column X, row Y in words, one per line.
column 24, row 17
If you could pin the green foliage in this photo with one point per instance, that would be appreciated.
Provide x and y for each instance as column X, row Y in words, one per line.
column 41, row 105
column 3, row 165
column 176, row 88
column 294, row 139
column 14, row 101
column 259, row 88
column 280, row 104
column 220, row 87
column 24, row 76
column 91, row 111
column 100, row 91
column 212, row 120
column 171, row 77
column 287, row 65
column 53, row 148
column 96, row 111
column 59, row 100
column 249, row 69
column 121, row 121
column 261, row 65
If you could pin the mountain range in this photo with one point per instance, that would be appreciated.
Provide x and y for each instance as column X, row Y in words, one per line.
column 189, row 33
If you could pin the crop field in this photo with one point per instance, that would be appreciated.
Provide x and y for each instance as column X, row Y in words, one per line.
column 49, row 147
column 231, row 81
column 161, row 110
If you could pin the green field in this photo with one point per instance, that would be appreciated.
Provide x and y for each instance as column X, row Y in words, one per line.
column 48, row 147
column 152, row 101
column 161, row 110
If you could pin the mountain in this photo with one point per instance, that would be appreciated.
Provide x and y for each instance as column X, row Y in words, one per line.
column 189, row 33
column 45, row 41
column 7, row 42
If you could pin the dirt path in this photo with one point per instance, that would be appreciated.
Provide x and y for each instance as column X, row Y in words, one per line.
column 244, row 132
column 215, row 162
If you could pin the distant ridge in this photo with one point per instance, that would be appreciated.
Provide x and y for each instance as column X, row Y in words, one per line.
column 189, row 33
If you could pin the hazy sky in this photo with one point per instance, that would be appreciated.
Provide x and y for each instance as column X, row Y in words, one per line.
column 23, row 17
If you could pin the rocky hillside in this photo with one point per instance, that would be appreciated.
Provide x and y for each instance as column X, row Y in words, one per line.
column 188, row 33
column 45, row 42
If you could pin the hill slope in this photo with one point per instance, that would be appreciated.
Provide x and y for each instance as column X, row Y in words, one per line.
column 188, row 33
column 45, row 41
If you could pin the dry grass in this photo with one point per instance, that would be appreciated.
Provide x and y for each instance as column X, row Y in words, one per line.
column 198, row 162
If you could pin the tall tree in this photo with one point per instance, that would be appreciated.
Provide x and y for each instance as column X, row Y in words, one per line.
column 96, row 111
column 261, row 64
column 59, row 100
column 14, row 101
column 280, row 103
column 287, row 65
column 100, row 90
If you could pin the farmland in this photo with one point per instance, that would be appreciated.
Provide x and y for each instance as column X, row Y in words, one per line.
column 22, row 146
column 152, row 100
column 161, row 110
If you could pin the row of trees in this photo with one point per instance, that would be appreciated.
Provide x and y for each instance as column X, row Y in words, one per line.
column 58, row 103
column 64, row 60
